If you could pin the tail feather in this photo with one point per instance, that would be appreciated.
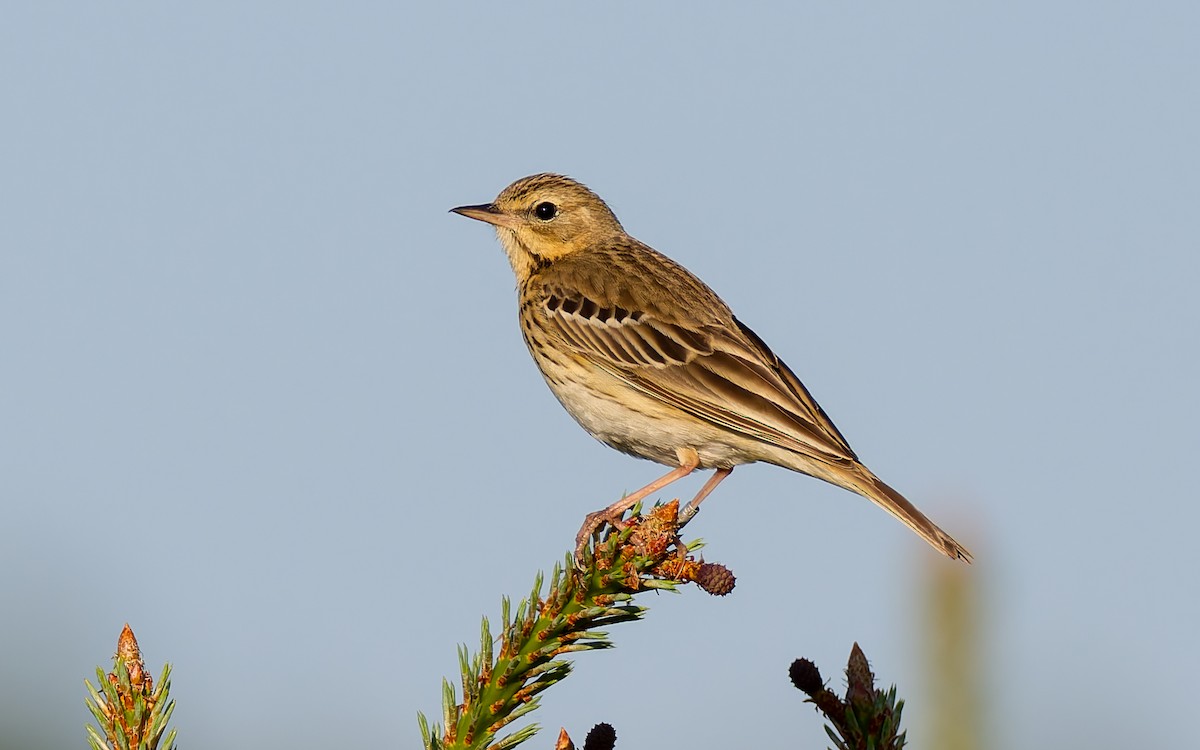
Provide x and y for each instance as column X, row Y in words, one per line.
column 865, row 483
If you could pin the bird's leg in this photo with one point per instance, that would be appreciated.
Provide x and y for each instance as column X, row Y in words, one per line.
column 693, row 507
column 689, row 460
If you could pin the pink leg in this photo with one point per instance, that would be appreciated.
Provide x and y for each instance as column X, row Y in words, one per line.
column 594, row 520
column 693, row 507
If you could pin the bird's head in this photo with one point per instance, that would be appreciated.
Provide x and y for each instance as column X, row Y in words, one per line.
column 545, row 217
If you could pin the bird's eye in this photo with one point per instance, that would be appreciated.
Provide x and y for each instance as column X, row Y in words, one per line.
column 545, row 211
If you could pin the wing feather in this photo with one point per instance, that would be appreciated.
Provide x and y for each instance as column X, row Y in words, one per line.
column 724, row 375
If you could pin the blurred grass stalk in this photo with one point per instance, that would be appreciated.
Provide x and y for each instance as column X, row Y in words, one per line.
column 951, row 649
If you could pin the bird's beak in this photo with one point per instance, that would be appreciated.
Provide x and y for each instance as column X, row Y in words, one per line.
column 489, row 213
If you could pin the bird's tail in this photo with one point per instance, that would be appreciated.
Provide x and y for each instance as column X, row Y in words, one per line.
column 860, row 479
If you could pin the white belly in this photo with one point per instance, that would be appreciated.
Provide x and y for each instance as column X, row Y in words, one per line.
column 634, row 423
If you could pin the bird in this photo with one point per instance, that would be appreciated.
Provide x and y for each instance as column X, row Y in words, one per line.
column 650, row 361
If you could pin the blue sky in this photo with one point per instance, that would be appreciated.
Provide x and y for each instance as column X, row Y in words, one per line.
column 266, row 400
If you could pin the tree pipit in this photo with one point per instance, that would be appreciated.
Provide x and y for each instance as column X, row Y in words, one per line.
column 651, row 362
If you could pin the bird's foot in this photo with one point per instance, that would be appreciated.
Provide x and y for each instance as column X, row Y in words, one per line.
column 591, row 524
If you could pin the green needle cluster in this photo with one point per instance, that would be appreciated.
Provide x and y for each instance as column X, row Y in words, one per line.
column 132, row 713
column 500, row 687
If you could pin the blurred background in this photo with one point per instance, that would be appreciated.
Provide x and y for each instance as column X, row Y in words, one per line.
column 263, row 398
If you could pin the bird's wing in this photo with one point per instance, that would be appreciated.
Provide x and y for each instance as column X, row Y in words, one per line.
column 723, row 374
